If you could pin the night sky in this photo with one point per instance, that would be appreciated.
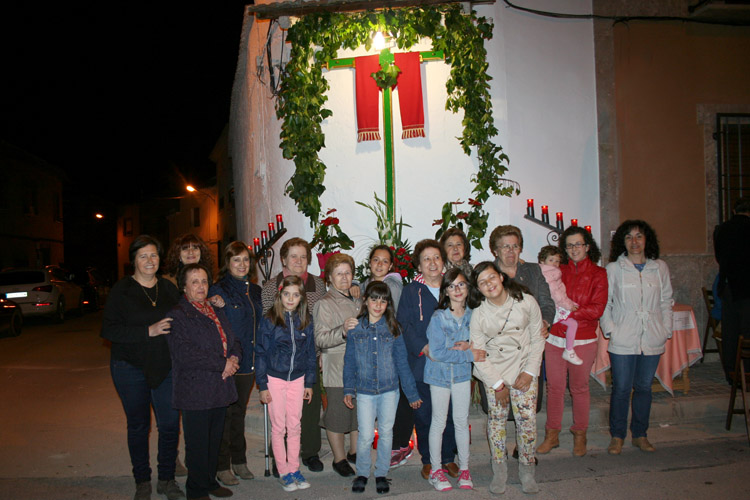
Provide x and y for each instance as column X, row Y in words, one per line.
column 127, row 98
column 124, row 97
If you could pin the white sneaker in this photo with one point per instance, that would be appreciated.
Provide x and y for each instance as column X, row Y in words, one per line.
column 287, row 482
column 439, row 481
column 464, row 480
column 571, row 357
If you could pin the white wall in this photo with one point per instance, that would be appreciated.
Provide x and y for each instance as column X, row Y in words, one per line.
column 544, row 106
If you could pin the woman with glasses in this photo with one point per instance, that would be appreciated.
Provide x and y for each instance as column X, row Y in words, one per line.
column 506, row 244
column 586, row 285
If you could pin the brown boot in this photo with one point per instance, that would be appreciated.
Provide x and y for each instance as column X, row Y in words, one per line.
column 551, row 440
column 579, row 443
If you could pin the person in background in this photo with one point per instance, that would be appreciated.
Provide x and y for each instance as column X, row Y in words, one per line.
column 731, row 240
column 381, row 266
column 243, row 310
column 637, row 321
column 135, row 322
column 186, row 249
column 295, row 256
column 457, row 250
column 205, row 355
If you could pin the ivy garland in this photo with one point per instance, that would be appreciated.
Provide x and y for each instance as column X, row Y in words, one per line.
column 316, row 39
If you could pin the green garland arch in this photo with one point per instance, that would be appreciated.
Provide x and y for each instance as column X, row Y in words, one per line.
column 316, row 39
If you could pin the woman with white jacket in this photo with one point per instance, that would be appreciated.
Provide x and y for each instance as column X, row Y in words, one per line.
column 637, row 321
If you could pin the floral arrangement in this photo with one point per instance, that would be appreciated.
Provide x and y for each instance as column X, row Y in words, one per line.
column 328, row 236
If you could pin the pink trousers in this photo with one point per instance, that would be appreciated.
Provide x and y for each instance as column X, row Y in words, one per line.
column 285, row 412
column 560, row 373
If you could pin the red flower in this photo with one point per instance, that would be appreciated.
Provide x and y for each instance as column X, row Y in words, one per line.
column 330, row 211
column 474, row 202
column 403, row 273
column 461, row 215
column 392, row 247
column 457, row 202
column 329, row 220
column 437, row 222
column 401, row 251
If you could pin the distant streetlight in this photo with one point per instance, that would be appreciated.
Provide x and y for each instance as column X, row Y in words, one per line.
column 192, row 189
column 99, row 216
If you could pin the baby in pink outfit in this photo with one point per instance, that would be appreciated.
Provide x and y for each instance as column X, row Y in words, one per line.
column 549, row 260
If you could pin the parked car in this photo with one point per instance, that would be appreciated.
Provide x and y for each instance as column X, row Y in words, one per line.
column 95, row 287
column 11, row 317
column 42, row 292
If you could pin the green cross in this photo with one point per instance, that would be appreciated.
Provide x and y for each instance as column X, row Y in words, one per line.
column 390, row 166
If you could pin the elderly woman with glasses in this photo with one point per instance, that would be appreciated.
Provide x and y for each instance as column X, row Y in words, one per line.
column 586, row 285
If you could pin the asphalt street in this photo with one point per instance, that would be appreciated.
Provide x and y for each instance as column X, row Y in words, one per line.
column 62, row 436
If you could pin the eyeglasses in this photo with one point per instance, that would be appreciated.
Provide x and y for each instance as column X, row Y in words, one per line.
column 508, row 248
column 571, row 246
column 457, row 286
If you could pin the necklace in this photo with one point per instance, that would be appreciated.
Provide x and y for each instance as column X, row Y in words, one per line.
column 153, row 301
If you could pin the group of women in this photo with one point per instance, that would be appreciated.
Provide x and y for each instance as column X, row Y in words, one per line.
column 184, row 344
column 202, row 338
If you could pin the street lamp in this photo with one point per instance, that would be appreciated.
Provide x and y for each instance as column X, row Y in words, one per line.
column 192, row 189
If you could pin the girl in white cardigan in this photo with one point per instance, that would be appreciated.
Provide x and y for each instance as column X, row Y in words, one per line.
column 507, row 324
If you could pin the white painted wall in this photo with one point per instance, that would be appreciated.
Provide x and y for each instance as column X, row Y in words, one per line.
column 544, row 106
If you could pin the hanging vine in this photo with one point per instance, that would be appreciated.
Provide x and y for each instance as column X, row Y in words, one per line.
column 316, row 39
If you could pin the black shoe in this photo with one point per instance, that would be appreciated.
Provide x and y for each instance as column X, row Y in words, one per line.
column 274, row 470
column 313, row 463
column 343, row 468
column 220, row 492
column 352, row 458
column 358, row 486
column 382, row 485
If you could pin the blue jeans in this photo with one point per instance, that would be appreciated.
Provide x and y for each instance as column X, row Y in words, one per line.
column 631, row 372
column 137, row 398
column 383, row 406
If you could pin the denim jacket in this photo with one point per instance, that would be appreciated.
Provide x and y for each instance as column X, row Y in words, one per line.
column 375, row 361
column 446, row 366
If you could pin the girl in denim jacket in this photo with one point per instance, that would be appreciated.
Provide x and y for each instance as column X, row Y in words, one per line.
column 286, row 370
column 374, row 362
column 448, row 372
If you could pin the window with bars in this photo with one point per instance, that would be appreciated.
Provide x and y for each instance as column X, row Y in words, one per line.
column 733, row 139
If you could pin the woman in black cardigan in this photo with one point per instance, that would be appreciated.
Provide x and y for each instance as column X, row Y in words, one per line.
column 134, row 321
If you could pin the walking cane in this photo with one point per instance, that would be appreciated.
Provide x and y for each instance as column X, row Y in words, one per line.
column 265, row 439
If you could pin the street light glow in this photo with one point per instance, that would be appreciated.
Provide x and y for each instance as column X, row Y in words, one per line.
column 190, row 188
column 99, row 216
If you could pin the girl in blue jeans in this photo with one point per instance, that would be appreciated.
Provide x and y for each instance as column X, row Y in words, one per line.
column 448, row 371
column 374, row 362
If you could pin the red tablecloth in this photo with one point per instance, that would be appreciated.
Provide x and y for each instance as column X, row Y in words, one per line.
column 681, row 351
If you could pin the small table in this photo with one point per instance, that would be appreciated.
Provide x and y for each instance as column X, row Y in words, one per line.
column 681, row 351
